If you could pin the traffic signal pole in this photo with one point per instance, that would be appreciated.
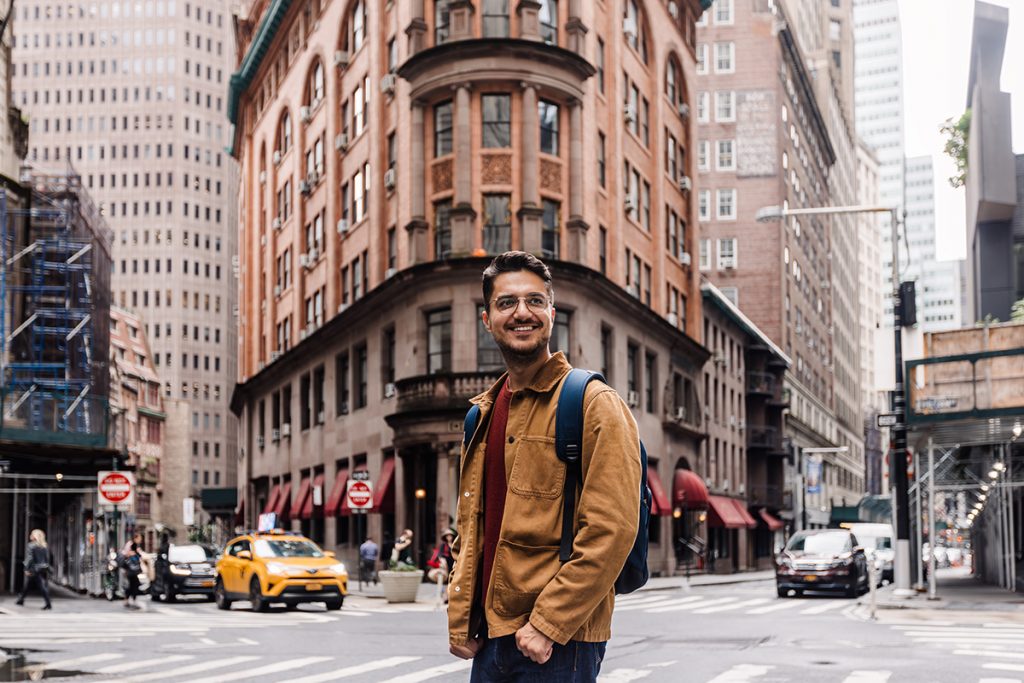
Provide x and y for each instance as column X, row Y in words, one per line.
column 898, row 467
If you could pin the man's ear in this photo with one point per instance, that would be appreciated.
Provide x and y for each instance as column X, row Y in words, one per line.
column 486, row 319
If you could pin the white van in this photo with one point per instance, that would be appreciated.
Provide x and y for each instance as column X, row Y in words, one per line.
column 877, row 541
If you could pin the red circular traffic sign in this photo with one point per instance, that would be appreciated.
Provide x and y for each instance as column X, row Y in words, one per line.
column 359, row 494
column 115, row 487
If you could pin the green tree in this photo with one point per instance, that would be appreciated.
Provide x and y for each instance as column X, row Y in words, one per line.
column 957, row 135
column 1017, row 311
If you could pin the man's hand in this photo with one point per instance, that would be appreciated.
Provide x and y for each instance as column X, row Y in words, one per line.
column 534, row 644
column 467, row 651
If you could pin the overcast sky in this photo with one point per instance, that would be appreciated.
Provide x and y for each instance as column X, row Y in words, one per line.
column 936, row 59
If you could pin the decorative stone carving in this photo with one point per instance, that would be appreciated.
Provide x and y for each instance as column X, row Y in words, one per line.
column 441, row 176
column 550, row 176
column 497, row 169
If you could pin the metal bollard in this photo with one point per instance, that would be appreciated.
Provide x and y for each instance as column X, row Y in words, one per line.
column 873, row 588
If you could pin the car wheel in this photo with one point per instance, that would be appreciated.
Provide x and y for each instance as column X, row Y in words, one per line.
column 169, row 595
column 853, row 590
column 799, row 592
column 333, row 605
column 783, row 592
column 256, row 599
column 220, row 596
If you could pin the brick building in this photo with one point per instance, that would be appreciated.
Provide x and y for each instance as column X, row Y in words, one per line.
column 386, row 151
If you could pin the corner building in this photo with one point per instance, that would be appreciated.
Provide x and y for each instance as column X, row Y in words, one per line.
column 386, row 152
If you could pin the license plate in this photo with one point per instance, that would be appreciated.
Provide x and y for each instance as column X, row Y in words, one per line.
column 207, row 584
column 810, row 577
column 313, row 586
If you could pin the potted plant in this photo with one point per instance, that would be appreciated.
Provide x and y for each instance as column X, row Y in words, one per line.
column 401, row 582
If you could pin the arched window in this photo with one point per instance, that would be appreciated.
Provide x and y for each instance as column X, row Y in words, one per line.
column 358, row 25
column 548, row 16
column 633, row 26
column 284, row 133
column 672, row 82
column 442, row 19
column 316, row 84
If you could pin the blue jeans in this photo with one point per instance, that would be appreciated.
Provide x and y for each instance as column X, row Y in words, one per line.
column 500, row 661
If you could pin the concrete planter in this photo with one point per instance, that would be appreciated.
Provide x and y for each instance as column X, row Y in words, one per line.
column 400, row 586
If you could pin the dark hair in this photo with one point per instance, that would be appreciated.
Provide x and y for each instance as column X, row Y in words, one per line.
column 511, row 262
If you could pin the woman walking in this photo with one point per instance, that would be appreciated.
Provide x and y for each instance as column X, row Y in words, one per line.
column 37, row 567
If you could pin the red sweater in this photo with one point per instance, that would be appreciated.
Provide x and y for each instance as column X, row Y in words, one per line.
column 495, row 485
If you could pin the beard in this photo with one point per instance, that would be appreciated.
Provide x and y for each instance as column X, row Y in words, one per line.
column 522, row 356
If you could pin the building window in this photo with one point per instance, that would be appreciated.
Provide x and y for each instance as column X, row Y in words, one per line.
column 726, row 160
column 497, row 220
column 548, row 16
column 671, row 82
column 704, row 205
column 550, row 224
column 304, row 408
column 724, row 110
column 387, row 359
column 726, row 205
column 360, row 379
column 316, row 84
column 602, row 161
column 488, row 356
column 443, row 129
column 650, row 381
column 341, row 390
column 702, row 59
column 703, row 163
column 548, row 127
column 442, row 17
column 358, row 26
column 705, row 254
column 723, row 12
column 727, row 253
column 443, row 228
column 560, row 332
column 600, row 65
column 497, row 123
column 439, row 340
column 284, row 134
column 633, row 29
column 703, row 107
column 603, row 250
column 632, row 368
column 724, row 57
column 607, row 352
column 495, row 19
column 835, row 30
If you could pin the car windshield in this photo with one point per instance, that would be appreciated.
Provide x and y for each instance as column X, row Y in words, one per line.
column 820, row 544
column 189, row 553
column 284, row 548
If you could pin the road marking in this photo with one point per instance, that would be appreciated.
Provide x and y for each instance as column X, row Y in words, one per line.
column 434, row 672
column 252, row 674
column 89, row 659
column 194, row 669
column 734, row 605
column 990, row 653
column 350, row 613
column 681, row 607
column 999, row 680
column 623, row 675
column 62, row 641
column 825, row 607
column 1003, row 667
column 782, row 604
column 741, row 673
column 247, row 641
column 353, row 670
column 660, row 603
column 639, row 599
column 868, row 677
column 128, row 666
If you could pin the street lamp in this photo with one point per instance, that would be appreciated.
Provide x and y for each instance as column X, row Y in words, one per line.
column 899, row 430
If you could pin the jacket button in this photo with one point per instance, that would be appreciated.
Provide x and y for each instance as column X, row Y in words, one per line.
column 511, row 439
column 458, row 589
column 466, row 494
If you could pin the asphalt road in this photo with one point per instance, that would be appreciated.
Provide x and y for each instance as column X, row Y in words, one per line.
column 737, row 633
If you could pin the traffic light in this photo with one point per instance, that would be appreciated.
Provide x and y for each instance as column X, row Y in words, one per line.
column 908, row 303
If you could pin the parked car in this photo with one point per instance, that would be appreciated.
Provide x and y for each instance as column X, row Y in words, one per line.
column 183, row 570
column 822, row 560
column 279, row 566
column 877, row 542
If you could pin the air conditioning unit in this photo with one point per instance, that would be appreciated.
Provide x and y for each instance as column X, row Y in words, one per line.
column 732, row 420
column 277, row 157
column 341, row 142
column 304, row 187
column 629, row 28
column 685, row 258
column 629, row 205
column 390, row 178
column 633, row 399
column 390, row 272
column 388, row 83
column 277, row 290
column 305, row 113
column 741, row 425
column 276, row 223
column 629, row 114
column 672, row 319
column 286, row 429
column 313, row 178
column 680, row 413
column 304, row 260
column 342, row 226
column 684, row 110
column 320, row 417
column 390, row 390
column 313, row 255
column 259, row 441
column 685, row 184
column 742, row 489
column 343, row 408
column 275, row 435
column 727, row 263
column 725, row 484
column 341, row 58
column 263, row 177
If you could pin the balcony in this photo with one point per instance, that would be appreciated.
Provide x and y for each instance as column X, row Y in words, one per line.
column 763, row 437
column 780, row 399
column 442, row 391
column 761, row 384
column 684, row 419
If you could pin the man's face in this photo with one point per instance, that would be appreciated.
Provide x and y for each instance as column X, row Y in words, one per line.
column 523, row 330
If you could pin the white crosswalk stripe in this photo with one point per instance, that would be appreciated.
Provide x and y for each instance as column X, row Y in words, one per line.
column 624, row 675
column 689, row 606
column 868, row 677
column 350, row 671
column 735, row 605
column 782, row 604
column 433, row 672
column 716, row 604
column 742, row 673
column 193, row 669
column 254, row 674
column 825, row 607
column 142, row 664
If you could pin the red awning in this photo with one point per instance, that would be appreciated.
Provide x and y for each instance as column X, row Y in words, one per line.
column 382, row 502
column 281, row 508
column 337, row 494
column 345, row 510
column 659, row 501
column 773, row 522
column 272, row 499
column 689, row 491
column 724, row 513
column 741, row 508
column 307, row 509
column 300, row 500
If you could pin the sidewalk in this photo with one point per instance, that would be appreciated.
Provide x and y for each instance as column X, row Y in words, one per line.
column 955, row 589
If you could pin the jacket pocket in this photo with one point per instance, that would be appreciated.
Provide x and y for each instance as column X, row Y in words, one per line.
column 537, row 472
column 520, row 574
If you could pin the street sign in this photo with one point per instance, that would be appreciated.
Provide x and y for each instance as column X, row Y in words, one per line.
column 886, row 420
column 361, row 475
column 188, row 511
column 360, row 495
column 116, row 488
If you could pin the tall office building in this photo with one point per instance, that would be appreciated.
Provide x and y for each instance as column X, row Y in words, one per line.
column 133, row 96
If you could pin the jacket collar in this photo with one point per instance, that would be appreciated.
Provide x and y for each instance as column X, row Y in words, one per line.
column 546, row 379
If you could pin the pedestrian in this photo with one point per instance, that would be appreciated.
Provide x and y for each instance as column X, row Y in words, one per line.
column 132, row 564
column 368, row 553
column 440, row 564
column 515, row 609
column 402, row 552
column 37, row 567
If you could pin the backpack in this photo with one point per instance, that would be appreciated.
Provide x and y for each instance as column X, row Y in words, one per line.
column 568, row 447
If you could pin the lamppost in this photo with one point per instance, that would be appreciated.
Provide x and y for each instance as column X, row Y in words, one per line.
column 421, row 496
column 899, row 473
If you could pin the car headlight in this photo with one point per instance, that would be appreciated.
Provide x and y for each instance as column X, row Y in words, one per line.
column 181, row 570
column 276, row 568
column 338, row 568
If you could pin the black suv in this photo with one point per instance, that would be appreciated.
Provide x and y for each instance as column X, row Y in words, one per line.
column 184, row 570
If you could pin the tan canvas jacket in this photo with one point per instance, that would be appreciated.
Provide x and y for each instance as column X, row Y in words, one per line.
column 571, row 601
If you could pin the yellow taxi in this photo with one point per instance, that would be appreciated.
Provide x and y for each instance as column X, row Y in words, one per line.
column 278, row 566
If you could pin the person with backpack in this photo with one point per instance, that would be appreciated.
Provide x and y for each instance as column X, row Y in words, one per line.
column 531, row 597
column 132, row 564
column 37, row 567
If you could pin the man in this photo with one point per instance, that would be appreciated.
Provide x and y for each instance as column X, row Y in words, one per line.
column 367, row 562
column 514, row 608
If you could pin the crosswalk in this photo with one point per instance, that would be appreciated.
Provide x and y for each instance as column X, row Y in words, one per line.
column 764, row 673
column 997, row 646
column 664, row 602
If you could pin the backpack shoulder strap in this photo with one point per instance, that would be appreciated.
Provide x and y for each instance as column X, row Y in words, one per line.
column 569, row 447
column 469, row 426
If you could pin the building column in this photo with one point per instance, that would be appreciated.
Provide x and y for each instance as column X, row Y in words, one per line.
column 417, row 228
column 530, row 213
column 576, row 239
column 463, row 216
column 576, row 29
column 417, row 29
column 529, row 19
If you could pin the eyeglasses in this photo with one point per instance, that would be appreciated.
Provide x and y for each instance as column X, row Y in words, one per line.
column 535, row 302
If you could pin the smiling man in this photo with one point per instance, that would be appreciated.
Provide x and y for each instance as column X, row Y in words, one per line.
column 514, row 608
